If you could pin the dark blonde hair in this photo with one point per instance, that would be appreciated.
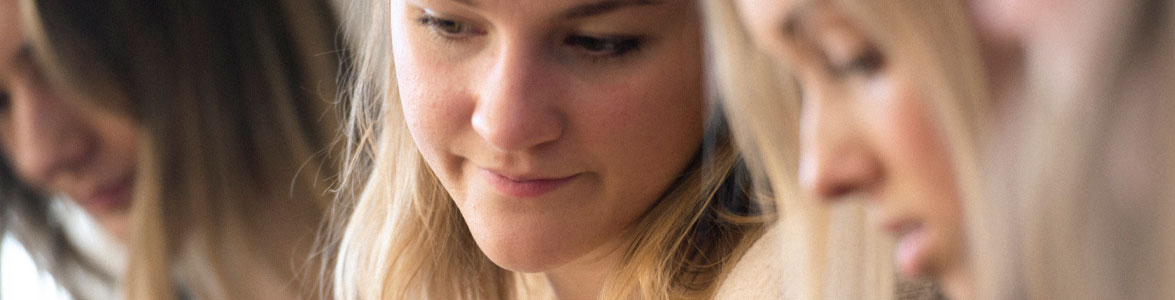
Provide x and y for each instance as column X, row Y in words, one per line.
column 1082, row 180
column 231, row 99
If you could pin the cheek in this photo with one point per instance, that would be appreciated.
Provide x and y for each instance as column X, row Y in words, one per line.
column 647, row 126
column 429, row 99
column 657, row 115
column 919, row 156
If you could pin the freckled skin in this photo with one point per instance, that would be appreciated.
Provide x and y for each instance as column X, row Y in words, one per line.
column 516, row 98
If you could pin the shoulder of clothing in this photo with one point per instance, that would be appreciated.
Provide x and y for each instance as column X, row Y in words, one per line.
column 764, row 273
column 761, row 273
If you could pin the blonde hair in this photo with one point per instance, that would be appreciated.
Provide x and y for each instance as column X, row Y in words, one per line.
column 1084, row 177
column 228, row 99
column 405, row 239
column 933, row 35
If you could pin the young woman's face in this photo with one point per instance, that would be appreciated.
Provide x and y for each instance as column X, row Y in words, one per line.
column 866, row 128
column 555, row 125
column 62, row 146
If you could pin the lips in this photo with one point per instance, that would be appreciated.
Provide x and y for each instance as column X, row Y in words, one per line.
column 110, row 197
column 525, row 186
column 912, row 249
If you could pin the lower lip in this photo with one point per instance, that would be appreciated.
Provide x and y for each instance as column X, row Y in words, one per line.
column 110, row 199
column 911, row 252
column 525, row 188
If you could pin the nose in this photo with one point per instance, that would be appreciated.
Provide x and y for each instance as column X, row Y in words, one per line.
column 835, row 159
column 519, row 103
column 47, row 137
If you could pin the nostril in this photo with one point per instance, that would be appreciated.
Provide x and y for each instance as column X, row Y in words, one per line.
column 836, row 179
column 835, row 193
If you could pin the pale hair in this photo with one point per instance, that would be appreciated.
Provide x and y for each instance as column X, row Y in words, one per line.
column 232, row 103
column 405, row 239
column 1083, row 180
column 839, row 256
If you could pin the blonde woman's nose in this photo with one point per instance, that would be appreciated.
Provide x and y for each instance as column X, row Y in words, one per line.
column 834, row 159
column 519, row 105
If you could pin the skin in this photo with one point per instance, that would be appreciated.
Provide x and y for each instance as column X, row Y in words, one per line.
column 867, row 130
column 59, row 145
column 554, row 134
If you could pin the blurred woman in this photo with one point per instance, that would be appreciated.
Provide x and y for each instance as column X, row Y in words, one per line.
column 1082, row 165
column 537, row 149
column 891, row 96
column 195, row 132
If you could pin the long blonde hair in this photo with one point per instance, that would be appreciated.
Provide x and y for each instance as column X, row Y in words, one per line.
column 933, row 34
column 1084, row 176
column 232, row 103
column 405, row 239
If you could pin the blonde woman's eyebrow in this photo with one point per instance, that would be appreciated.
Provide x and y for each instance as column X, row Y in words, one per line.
column 588, row 10
column 603, row 7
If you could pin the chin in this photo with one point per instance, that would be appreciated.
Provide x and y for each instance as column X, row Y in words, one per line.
column 528, row 253
column 516, row 259
column 524, row 265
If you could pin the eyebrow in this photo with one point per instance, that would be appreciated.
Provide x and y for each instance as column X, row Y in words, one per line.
column 590, row 9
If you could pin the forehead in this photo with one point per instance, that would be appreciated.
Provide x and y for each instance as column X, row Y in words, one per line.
column 553, row 9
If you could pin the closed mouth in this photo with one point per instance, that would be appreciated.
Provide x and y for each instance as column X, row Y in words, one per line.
column 524, row 186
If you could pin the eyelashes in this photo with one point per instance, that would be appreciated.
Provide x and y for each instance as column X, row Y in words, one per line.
column 868, row 62
column 596, row 49
column 450, row 29
column 605, row 47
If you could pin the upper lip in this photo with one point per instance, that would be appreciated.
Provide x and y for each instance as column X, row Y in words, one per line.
column 900, row 227
column 525, row 176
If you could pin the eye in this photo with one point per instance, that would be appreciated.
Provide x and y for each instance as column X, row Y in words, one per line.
column 448, row 28
column 605, row 46
column 867, row 63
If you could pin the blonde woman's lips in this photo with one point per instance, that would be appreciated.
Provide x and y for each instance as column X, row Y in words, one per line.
column 912, row 250
column 524, row 185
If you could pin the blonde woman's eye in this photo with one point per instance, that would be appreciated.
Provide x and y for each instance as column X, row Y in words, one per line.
column 867, row 63
column 605, row 47
column 447, row 28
